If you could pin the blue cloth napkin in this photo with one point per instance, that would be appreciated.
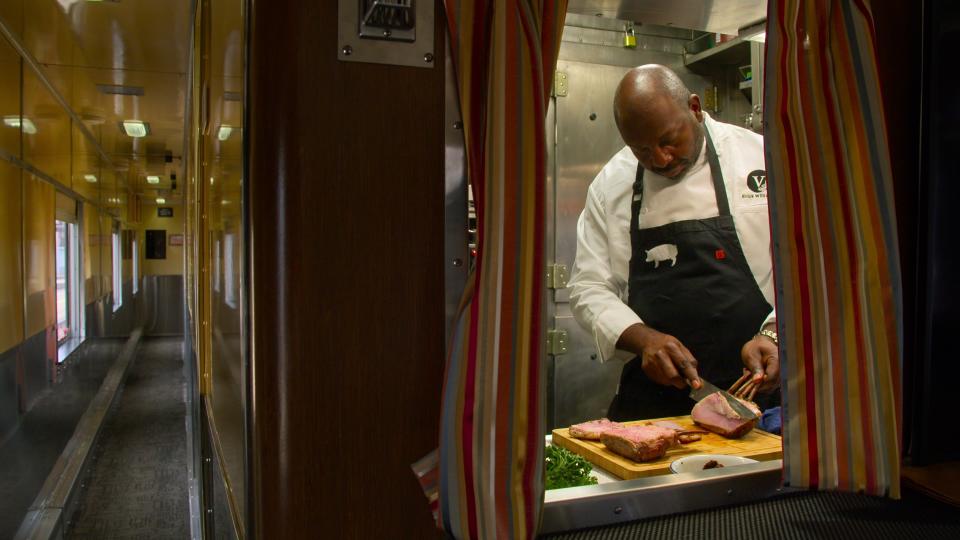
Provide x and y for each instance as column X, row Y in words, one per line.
column 770, row 420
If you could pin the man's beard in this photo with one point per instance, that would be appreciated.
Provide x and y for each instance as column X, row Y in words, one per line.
column 698, row 145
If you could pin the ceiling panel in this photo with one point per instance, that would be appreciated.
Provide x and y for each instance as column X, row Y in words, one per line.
column 133, row 43
column 124, row 34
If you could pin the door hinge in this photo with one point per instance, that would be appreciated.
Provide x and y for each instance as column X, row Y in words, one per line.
column 557, row 276
column 560, row 84
column 556, row 342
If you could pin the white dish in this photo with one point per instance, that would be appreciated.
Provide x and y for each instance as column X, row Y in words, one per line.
column 696, row 462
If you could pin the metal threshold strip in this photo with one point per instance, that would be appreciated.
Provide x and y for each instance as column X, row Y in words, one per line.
column 630, row 500
column 45, row 519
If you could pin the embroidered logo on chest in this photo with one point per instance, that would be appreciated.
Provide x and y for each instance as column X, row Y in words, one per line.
column 661, row 253
column 757, row 181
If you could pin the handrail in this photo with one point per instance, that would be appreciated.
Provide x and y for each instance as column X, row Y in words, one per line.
column 45, row 518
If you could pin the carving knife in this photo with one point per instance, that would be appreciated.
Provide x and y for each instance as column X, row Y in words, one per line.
column 707, row 388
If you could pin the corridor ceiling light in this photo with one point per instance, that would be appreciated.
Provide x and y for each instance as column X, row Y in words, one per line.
column 161, row 200
column 755, row 32
column 224, row 132
column 15, row 121
column 153, row 179
column 136, row 128
column 90, row 178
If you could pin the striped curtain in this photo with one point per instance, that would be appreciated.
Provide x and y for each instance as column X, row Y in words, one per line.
column 486, row 480
column 835, row 248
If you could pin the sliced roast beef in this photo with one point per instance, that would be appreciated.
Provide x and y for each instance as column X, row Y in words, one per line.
column 640, row 443
column 593, row 429
column 714, row 413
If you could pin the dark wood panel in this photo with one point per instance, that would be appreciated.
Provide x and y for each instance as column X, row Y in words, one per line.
column 899, row 58
column 347, row 239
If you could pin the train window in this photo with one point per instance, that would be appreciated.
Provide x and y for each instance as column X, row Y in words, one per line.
column 229, row 267
column 64, row 290
column 216, row 266
column 136, row 267
column 117, row 275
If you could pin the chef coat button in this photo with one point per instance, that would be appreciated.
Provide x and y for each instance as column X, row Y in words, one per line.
column 644, row 210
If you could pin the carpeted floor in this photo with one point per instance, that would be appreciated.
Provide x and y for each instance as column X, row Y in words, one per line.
column 137, row 487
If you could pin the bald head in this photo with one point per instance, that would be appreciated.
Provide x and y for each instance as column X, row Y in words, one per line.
column 649, row 90
column 659, row 119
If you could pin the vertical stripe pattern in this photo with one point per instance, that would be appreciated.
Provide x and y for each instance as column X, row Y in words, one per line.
column 835, row 248
column 490, row 458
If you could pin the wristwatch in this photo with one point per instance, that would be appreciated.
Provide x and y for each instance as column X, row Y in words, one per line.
column 770, row 334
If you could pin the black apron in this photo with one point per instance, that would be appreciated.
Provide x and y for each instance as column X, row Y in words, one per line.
column 691, row 280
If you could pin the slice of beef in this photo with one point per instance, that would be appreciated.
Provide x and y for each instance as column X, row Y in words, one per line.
column 714, row 413
column 593, row 429
column 640, row 443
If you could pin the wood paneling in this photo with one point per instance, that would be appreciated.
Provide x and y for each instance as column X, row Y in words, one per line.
column 900, row 77
column 38, row 253
column 11, row 272
column 346, row 202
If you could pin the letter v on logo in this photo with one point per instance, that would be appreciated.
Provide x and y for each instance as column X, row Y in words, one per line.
column 757, row 181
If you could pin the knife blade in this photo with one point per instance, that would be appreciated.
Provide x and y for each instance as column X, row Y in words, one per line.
column 708, row 388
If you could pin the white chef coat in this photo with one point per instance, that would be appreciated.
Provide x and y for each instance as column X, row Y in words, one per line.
column 600, row 276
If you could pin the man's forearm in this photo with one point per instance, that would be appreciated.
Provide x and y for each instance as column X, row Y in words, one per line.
column 633, row 338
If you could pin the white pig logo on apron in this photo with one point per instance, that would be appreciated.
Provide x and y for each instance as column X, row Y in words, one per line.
column 662, row 252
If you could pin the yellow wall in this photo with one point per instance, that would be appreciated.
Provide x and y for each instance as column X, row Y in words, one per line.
column 9, row 94
column 11, row 283
column 173, row 264
column 39, row 245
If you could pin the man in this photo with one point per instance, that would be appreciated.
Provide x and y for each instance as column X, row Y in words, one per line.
column 673, row 253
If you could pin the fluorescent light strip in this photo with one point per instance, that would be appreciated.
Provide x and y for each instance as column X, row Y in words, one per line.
column 153, row 179
column 16, row 122
column 136, row 128
column 90, row 178
column 161, row 200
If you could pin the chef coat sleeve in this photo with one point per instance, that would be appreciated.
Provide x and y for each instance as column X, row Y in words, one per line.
column 597, row 296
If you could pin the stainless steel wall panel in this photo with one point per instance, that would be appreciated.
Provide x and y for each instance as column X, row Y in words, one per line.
column 121, row 322
column 614, row 38
column 35, row 364
column 455, row 210
column 93, row 319
column 162, row 305
column 714, row 16
column 582, row 387
column 9, row 409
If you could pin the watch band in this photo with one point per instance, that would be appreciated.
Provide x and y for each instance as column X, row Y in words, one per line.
column 770, row 334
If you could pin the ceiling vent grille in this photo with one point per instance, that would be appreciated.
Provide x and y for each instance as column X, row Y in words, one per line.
column 121, row 90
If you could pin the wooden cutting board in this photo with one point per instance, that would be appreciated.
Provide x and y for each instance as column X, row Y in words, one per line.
column 757, row 444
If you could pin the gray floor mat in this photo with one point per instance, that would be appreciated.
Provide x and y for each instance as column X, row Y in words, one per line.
column 137, row 487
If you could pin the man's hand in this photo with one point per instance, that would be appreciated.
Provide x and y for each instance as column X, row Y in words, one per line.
column 663, row 358
column 762, row 358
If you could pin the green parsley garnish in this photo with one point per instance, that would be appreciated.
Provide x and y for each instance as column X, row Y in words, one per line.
column 566, row 469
